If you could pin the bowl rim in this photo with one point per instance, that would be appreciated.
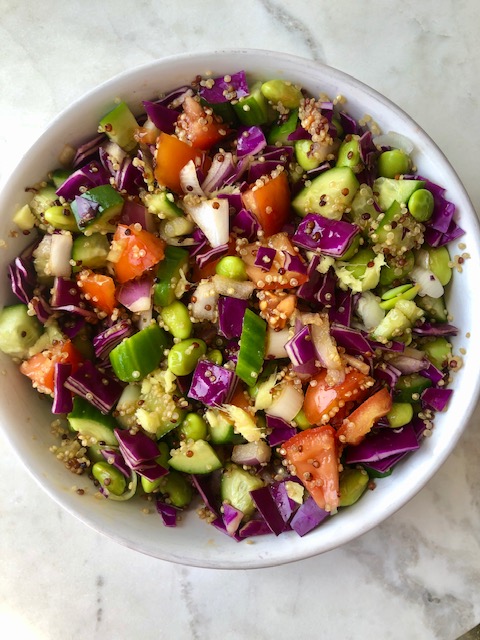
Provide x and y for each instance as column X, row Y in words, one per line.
column 305, row 548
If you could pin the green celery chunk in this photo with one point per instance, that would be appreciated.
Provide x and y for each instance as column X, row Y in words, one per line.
column 252, row 348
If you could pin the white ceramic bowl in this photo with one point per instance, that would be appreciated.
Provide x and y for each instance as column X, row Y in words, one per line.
column 25, row 418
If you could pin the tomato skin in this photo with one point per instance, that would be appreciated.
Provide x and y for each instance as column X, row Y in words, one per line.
column 270, row 204
column 356, row 426
column 40, row 368
column 313, row 457
column 323, row 400
column 138, row 251
column 171, row 156
column 286, row 280
column 99, row 290
column 202, row 129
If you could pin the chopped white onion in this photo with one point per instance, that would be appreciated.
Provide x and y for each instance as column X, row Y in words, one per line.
column 212, row 216
column 252, row 453
column 233, row 288
column 61, row 254
column 325, row 346
column 428, row 282
column 205, row 305
column 287, row 403
column 395, row 140
column 369, row 310
column 275, row 343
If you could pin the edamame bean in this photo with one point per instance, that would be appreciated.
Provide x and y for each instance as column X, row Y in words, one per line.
column 232, row 267
column 193, row 427
column 177, row 489
column 420, row 205
column 349, row 154
column 280, row 91
column 400, row 414
column 215, row 355
column 304, row 156
column 393, row 163
column 109, row 477
column 404, row 292
column 183, row 356
column 352, row 485
column 150, row 486
column 176, row 319
column 61, row 217
column 439, row 263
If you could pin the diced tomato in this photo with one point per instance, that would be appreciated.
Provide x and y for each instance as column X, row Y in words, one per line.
column 135, row 251
column 323, row 403
column 171, row 156
column 203, row 129
column 312, row 455
column 356, row 425
column 277, row 277
column 99, row 290
column 270, row 204
column 40, row 368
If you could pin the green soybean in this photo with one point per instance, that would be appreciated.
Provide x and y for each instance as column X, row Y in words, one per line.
column 215, row 355
column 177, row 320
column 183, row 356
column 193, row 427
column 177, row 489
column 439, row 263
column 353, row 483
column 280, row 91
column 349, row 154
column 109, row 477
column 61, row 217
column 304, row 155
column 400, row 414
column 393, row 163
column 420, row 205
column 232, row 267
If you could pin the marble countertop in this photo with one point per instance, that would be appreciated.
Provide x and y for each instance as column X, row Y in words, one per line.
column 416, row 576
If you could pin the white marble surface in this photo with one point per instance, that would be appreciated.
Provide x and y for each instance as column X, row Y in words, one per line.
column 417, row 575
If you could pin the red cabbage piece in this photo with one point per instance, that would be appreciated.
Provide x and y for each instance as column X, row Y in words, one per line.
column 167, row 512
column 22, row 278
column 232, row 518
column 407, row 364
column 330, row 237
column 254, row 528
column 231, row 312
column 319, row 287
column 285, row 505
column 115, row 458
column 129, row 177
column 245, row 225
column 300, row 347
column 136, row 295
column 204, row 487
column 94, row 385
column 259, row 169
column 435, row 398
column 62, row 397
column 281, row 430
column 265, row 257
column 341, row 312
column 135, row 213
column 66, row 297
column 382, row 444
column 388, row 373
column 175, row 97
column 219, row 524
column 392, row 345
column 221, row 171
column 151, row 471
column 88, row 150
column 307, row 517
column 281, row 154
column 91, row 175
column 294, row 263
column 208, row 254
column 349, row 124
column 351, row 339
column 299, row 134
column 199, row 242
column 71, row 326
column 42, row 309
column 84, row 210
column 440, row 329
column 234, row 201
column 266, row 506
column 105, row 341
column 250, row 141
column 161, row 116
column 225, row 88
column 212, row 384
column 432, row 373
column 136, row 449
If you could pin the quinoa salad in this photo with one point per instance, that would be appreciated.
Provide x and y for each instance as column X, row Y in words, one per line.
column 235, row 304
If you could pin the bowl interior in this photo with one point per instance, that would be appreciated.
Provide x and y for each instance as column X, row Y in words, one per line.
column 25, row 418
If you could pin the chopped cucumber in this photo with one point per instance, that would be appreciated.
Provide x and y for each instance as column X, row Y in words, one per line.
column 435, row 308
column 409, row 386
column 220, row 428
column 137, row 356
column 389, row 190
column 61, row 217
column 252, row 109
column 168, row 275
column 90, row 251
column 195, row 456
column 280, row 131
column 330, row 194
column 108, row 204
column 91, row 423
column 162, row 205
column 236, row 486
column 18, row 330
column 438, row 350
column 59, row 176
column 349, row 154
column 120, row 126
column 44, row 198
column 24, row 218
column 252, row 348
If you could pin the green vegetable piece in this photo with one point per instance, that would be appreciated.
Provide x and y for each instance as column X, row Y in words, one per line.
column 82, row 341
column 177, row 489
column 374, row 473
column 396, row 291
column 276, row 91
column 177, row 320
column 352, row 485
column 349, row 154
column 280, row 131
column 407, row 292
column 120, row 126
column 59, row 176
column 94, row 453
column 24, row 218
column 420, row 205
column 410, row 387
column 44, row 198
column 193, row 427
column 140, row 354
column 150, row 486
column 439, row 263
column 435, row 308
column 183, row 356
column 392, row 326
column 352, row 248
column 232, row 267
column 175, row 228
column 252, row 348
column 109, row 205
column 92, row 423
column 388, row 190
column 359, row 263
column 109, row 477
column 396, row 268
column 360, row 273
column 362, row 210
column 90, row 251
column 162, row 205
column 215, row 355
column 252, row 109
column 61, row 217
column 164, row 454
column 235, row 488
column 393, row 163
column 301, row 420
column 439, row 351
column 400, row 414
column 305, row 155
column 220, row 428
column 329, row 194
column 18, row 331
column 223, row 109
column 196, row 457
column 168, row 275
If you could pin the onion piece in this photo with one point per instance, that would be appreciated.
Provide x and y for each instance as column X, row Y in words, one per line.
column 212, row 216
column 325, row 347
column 428, row 282
column 275, row 343
column 369, row 310
column 60, row 254
column 189, row 179
column 287, row 403
column 232, row 288
column 252, row 453
column 204, row 302
column 221, row 170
